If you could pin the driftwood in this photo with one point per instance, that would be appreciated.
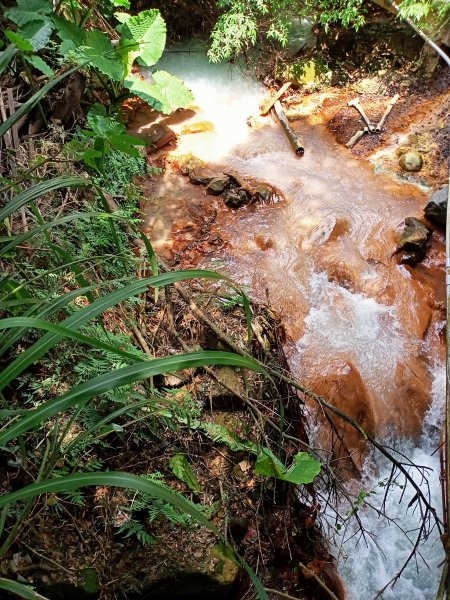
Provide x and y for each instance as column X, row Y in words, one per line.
column 267, row 105
column 294, row 140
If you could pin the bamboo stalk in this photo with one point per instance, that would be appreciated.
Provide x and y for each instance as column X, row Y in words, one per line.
column 267, row 105
column 294, row 140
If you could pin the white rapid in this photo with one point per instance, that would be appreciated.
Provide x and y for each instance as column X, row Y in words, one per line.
column 364, row 330
column 368, row 564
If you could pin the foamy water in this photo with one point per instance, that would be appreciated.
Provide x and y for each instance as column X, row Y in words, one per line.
column 368, row 564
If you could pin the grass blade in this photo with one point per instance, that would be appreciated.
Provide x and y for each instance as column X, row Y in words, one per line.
column 6, row 57
column 119, row 377
column 31, row 323
column 42, row 310
column 24, row 591
column 39, row 348
column 31, row 103
column 44, row 187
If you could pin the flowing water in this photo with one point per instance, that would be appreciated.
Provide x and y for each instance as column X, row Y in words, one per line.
column 364, row 330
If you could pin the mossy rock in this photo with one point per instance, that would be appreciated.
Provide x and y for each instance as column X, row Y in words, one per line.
column 305, row 72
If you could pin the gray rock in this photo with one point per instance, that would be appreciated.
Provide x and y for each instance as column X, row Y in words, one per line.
column 264, row 193
column 226, row 399
column 236, row 199
column 411, row 161
column 436, row 208
column 200, row 176
column 414, row 241
column 218, row 185
column 415, row 235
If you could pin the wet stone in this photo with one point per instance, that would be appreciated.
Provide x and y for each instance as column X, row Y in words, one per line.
column 264, row 193
column 411, row 161
column 436, row 208
column 218, row 185
column 200, row 176
column 413, row 241
column 236, row 199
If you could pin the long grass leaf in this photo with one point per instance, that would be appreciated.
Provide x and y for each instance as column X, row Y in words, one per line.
column 112, row 478
column 39, row 348
column 6, row 56
column 44, row 187
column 42, row 310
column 31, row 323
column 131, row 482
column 31, row 103
column 119, row 377
column 18, row 240
column 24, row 591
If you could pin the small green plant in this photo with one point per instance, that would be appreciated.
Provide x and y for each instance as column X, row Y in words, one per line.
column 106, row 134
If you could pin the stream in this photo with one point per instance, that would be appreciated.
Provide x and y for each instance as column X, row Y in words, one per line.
column 364, row 331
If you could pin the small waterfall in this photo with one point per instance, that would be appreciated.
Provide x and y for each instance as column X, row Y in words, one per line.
column 368, row 564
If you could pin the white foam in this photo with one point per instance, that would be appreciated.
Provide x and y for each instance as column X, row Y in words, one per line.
column 367, row 566
column 344, row 322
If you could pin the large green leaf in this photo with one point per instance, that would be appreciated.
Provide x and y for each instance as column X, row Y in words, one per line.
column 67, row 30
column 38, row 33
column 148, row 30
column 24, row 591
column 304, row 467
column 22, row 43
column 165, row 94
column 40, row 65
column 27, row 11
column 99, row 53
column 84, row 315
column 120, row 377
column 40, row 189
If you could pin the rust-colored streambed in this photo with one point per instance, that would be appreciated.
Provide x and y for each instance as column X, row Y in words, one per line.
column 365, row 331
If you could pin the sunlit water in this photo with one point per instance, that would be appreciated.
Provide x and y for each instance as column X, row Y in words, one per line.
column 324, row 256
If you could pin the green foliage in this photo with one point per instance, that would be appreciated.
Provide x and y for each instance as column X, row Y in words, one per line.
column 165, row 93
column 142, row 40
column 432, row 15
column 244, row 23
column 145, row 33
column 105, row 135
column 182, row 469
column 304, row 468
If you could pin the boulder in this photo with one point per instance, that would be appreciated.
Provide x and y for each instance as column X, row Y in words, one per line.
column 436, row 208
column 217, row 185
column 414, row 236
column 200, row 176
column 157, row 136
column 411, row 161
column 221, row 398
column 236, row 198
